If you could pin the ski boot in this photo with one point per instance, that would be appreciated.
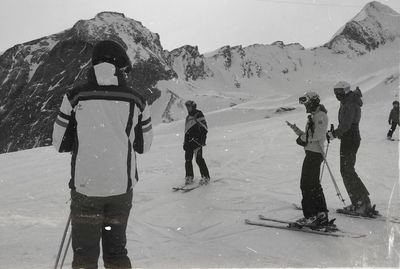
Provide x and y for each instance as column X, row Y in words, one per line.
column 204, row 180
column 317, row 222
column 361, row 208
column 188, row 180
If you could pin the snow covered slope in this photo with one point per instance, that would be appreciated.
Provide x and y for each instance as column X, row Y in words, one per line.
column 367, row 44
column 254, row 155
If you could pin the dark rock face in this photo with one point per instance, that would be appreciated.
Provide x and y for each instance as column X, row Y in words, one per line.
column 191, row 61
column 374, row 26
column 34, row 76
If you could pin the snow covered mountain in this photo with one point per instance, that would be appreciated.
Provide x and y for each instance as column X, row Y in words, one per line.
column 366, row 45
column 375, row 25
column 35, row 75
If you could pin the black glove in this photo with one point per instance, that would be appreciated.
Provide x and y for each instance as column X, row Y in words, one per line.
column 330, row 135
column 300, row 142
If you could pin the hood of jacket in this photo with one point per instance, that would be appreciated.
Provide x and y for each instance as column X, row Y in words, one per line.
column 353, row 97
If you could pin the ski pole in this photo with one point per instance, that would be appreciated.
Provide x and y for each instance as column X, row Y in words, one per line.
column 66, row 250
column 334, row 182
column 326, row 153
column 62, row 241
column 323, row 166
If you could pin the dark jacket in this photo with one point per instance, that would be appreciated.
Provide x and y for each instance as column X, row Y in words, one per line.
column 394, row 115
column 195, row 130
column 349, row 116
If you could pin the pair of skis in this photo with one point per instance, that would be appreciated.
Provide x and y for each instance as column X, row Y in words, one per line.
column 353, row 214
column 189, row 187
column 328, row 230
column 379, row 217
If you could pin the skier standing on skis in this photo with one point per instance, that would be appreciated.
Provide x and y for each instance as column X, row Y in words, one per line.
column 103, row 123
column 349, row 134
column 393, row 119
column 195, row 139
column 313, row 139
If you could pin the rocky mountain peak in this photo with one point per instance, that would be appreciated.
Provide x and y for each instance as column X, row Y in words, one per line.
column 35, row 75
column 376, row 24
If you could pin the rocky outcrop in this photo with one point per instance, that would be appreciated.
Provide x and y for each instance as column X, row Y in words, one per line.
column 374, row 26
column 35, row 75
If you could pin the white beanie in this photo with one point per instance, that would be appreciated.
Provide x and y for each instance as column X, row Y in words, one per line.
column 343, row 85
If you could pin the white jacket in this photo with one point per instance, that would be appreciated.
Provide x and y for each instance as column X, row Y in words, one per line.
column 112, row 123
column 317, row 137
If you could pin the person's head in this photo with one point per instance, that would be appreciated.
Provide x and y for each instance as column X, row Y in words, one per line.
column 341, row 89
column 395, row 103
column 310, row 100
column 108, row 51
column 190, row 105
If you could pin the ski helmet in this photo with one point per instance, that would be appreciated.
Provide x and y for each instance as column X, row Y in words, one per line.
column 341, row 89
column 310, row 100
column 190, row 103
column 342, row 86
column 111, row 52
column 395, row 102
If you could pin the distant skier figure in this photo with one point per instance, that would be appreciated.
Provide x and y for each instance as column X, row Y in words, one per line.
column 349, row 134
column 313, row 139
column 393, row 119
column 195, row 139
column 103, row 123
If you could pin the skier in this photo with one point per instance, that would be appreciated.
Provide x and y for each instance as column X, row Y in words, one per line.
column 195, row 139
column 393, row 119
column 103, row 123
column 349, row 134
column 313, row 203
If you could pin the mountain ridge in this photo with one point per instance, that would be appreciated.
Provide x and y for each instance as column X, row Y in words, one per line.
column 35, row 75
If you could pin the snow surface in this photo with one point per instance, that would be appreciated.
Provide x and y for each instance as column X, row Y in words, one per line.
column 317, row 70
column 253, row 153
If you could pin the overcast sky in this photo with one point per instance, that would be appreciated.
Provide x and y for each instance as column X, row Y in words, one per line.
column 208, row 24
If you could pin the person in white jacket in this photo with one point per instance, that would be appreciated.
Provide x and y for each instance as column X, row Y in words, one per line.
column 103, row 123
column 313, row 203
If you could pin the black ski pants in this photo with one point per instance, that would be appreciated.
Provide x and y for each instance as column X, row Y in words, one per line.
column 199, row 160
column 354, row 186
column 313, row 196
column 392, row 129
column 100, row 218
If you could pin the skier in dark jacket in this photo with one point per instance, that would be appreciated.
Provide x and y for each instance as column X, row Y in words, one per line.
column 195, row 139
column 313, row 139
column 393, row 119
column 349, row 134
column 103, row 123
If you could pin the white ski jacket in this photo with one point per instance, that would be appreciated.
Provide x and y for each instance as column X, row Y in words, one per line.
column 103, row 126
column 317, row 133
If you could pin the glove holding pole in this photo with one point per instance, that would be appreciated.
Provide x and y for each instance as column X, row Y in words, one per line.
column 330, row 135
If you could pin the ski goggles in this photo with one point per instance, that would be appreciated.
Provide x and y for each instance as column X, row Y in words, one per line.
column 338, row 91
column 303, row 100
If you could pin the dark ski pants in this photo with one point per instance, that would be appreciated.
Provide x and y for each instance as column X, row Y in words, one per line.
column 95, row 219
column 354, row 186
column 199, row 160
column 311, row 189
column 392, row 129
